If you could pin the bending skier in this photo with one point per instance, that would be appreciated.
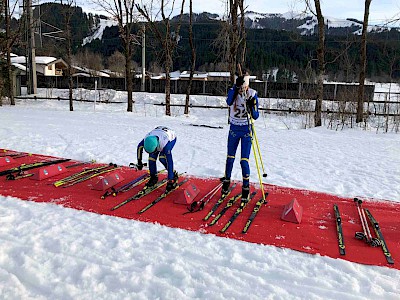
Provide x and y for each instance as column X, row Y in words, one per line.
column 243, row 104
column 159, row 142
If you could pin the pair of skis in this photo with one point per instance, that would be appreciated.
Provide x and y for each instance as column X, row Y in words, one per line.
column 238, row 211
column 228, row 205
column 84, row 175
column 126, row 187
column 18, row 171
column 143, row 192
column 147, row 190
column 379, row 241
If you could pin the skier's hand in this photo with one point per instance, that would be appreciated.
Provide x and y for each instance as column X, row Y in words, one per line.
column 251, row 102
column 139, row 165
column 239, row 81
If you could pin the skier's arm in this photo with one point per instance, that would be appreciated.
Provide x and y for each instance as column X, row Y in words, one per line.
column 254, row 110
column 232, row 94
column 140, row 151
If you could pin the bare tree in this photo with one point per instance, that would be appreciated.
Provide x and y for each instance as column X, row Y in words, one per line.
column 10, row 39
column 363, row 63
column 242, row 42
column 193, row 57
column 68, row 10
column 167, row 37
column 123, row 12
column 234, row 36
column 231, row 40
column 321, row 59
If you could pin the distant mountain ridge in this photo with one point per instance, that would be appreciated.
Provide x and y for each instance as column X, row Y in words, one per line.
column 304, row 24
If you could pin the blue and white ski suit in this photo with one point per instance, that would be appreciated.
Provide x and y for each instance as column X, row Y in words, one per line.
column 166, row 141
column 240, row 130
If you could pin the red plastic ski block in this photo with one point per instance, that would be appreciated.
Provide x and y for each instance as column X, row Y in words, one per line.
column 107, row 181
column 48, row 171
column 292, row 212
column 186, row 196
column 6, row 160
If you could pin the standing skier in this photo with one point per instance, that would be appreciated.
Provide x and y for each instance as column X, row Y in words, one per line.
column 159, row 142
column 243, row 105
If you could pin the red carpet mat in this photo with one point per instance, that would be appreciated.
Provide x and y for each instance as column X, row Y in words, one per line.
column 316, row 234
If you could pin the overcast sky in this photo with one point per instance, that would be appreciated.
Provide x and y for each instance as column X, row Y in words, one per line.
column 380, row 10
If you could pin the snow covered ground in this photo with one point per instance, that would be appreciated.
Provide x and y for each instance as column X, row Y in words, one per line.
column 50, row 252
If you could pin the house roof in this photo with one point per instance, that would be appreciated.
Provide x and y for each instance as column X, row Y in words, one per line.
column 19, row 66
column 42, row 60
column 219, row 74
column 89, row 72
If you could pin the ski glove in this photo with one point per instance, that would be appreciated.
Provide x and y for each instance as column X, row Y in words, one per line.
column 251, row 102
column 239, row 81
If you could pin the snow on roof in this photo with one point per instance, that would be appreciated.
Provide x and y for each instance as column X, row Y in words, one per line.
column 175, row 74
column 42, row 60
column 89, row 72
column 19, row 66
column 219, row 74
column 186, row 74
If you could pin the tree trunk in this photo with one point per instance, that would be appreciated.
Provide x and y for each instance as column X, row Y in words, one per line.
column 321, row 64
column 10, row 80
column 363, row 63
column 193, row 58
column 234, row 39
column 69, row 57
column 168, row 63
column 243, row 34
column 128, row 69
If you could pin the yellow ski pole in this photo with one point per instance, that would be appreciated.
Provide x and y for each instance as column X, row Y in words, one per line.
column 257, row 165
column 258, row 146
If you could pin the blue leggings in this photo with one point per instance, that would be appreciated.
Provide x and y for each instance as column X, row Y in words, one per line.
column 234, row 137
column 165, row 159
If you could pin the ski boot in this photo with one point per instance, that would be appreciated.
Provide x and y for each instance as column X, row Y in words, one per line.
column 245, row 193
column 226, row 182
column 152, row 181
column 176, row 176
column 171, row 185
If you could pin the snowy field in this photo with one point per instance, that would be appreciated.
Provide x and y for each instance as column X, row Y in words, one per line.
column 50, row 252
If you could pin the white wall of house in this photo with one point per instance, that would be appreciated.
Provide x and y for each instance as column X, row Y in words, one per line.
column 49, row 70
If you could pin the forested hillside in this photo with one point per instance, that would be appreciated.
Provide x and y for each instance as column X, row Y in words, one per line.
column 274, row 46
column 267, row 49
